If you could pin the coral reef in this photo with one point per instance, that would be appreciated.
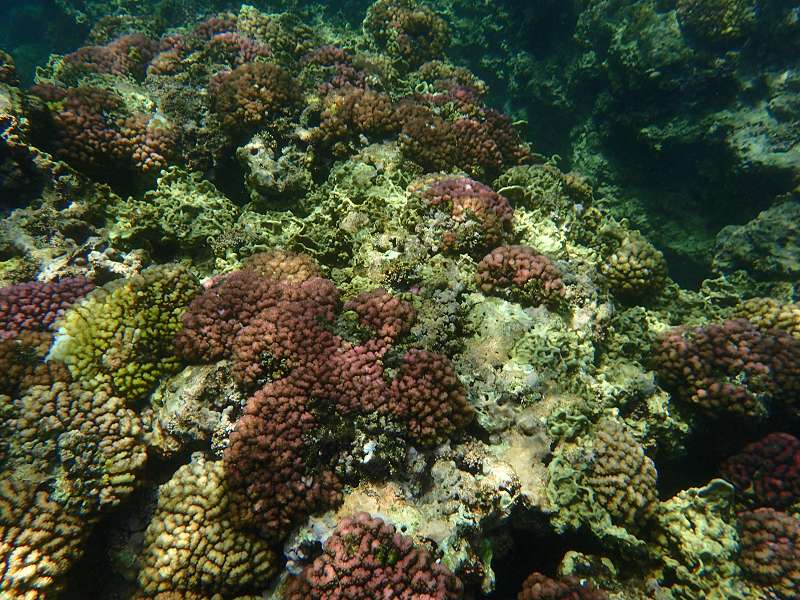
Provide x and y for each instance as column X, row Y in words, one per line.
column 39, row 541
column 769, row 550
column 622, row 477
column 429, row 397
column 364, row 557
column 729, row 367
column 541, row 587
column 192, row 548
column 520, row 273
column 291, row 309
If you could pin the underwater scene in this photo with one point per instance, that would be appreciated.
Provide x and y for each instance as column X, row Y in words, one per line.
column 400, row 300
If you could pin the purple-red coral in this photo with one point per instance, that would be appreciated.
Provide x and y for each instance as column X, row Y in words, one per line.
column 440, row 145
column 731, row 367
column 36, row 305
column 128, row 56
column 429, row 397
column 276, row 332
column 365, row 559
column 252, row 94
column 480, row 217
column 767, row 471
column 389, row 317
column 273, row 476
column 92, row 129
column 285, row 334
column 541, row 587
column 214, row 318
column 770, row 551
column 520, row 273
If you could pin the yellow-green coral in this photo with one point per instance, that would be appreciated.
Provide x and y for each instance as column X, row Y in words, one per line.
column 768, row 313
column 83, row 440
column 121, row 334
column 192, row 548
column 635, row 271
column 697, row 544
column 606, row 482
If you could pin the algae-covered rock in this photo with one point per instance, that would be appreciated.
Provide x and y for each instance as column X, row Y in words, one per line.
column 197, row 406
column 184, row 216
column 768, row 247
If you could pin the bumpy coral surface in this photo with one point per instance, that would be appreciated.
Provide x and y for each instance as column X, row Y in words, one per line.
column 214, row 317
column 768, row 471
column 541, row 587
column 622, row 476
column 636, row 270
column 409, row 31
column 122, row 334
column 365, row 558
column 35, row 306
column 285, row 334
column 280, row 265
column 252, row 93
column 192, row 548
column 93, row 130
column 386, row 315
column 39, row 541
column 479, row 217
column 271, row 471
column 428, row 395
column 86, row 441
column 352, row 111
column 520, row 273
column 127, row 55
column 770, row 550
column 729, row 367
column 22, row 361
column 768, row 313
